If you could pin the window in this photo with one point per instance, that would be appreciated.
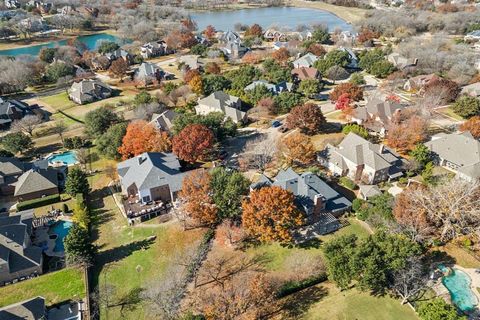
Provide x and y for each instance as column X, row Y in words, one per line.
column 146, row 199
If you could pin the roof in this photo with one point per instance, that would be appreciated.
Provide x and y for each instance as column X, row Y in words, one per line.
column 306, row 188
column 383, row 109
column 147, row 69
column 225, row 103
column 229, row 36
column 472, row 89
column 306, row 60
column 461, row 149
column 369, row 191
column 11, row 166
column 32, row 309
column 306, row 73
column 35, row 181
column 400, row 61
column 150, row 170
column 10, row 107
column 274, row 88
column 87, row 88
column 190, row 60
column 164, row 120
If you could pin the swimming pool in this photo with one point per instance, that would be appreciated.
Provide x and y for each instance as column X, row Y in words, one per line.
column 458, row 284
column 61, row 229
column 67, row 158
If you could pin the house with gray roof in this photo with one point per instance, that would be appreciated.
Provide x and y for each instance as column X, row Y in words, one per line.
column 361, row 160
column 36, row 183
column 400, row 62
column 154, row 49
column 353, row 59
column 234, row 49
column 148, row 72
column 305, row 61
column 18, row 257
column 11, row 110
column 120, row 54
column 220, row 101
column 191, row 61
column 164, row 120
column 151, row 176
column 10, row 170
column 377, row 114
column 229, row 36
column 32, row 309
column 471, row 89
column 458, row 152
column 89, row 90
column 273, row 88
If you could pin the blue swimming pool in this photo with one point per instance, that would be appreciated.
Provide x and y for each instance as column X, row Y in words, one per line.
column 61, row 229
column 458, row 284
column 67, row 158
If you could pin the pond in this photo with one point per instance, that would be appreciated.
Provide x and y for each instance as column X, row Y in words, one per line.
column 91, row 41
column 268, row 17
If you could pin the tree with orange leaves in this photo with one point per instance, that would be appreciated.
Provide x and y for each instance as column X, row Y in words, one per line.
column 193, row 143
column 308, row 118
column 195, row 195
column 472, row 125
column 298, row 149
column 212, row 68
column 317, row 49
column 254, row 31
column 270, row 214
column 142, row 137
column 252, row 58
column 196, row 84
column 405, row 134
column 189, row 74
column 209, row 32
column 281, row 55
column 354, row 92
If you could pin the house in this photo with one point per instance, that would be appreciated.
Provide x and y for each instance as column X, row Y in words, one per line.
column 89, row 90
column 313, row 195
column 36, row 183
column 366, row 191
column 274, row 35
column 154, row 49
column 190, row 60
column 35, row 309
column 458, row 152
column 473, row 36
column 273, row 88
column 377, row 114
column 353, row 59
column 220, row 101
column 229, row 36
column 10, row 170
column 12, row 4
column 66, row 10
column 151, row 176
column 234, row 49
column 347, row 37
column 120, row 54
column 400, row 62
column 303, row 73
column 291, row 45
column 44, row 7
column 306, row 61
column 361, row 160
column 418, row 83
column 19, row 258
column 472, row 89
column 164, row 120
column 150, row 72
column 11, row 110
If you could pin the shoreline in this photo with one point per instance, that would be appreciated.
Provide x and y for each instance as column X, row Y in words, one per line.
column 350, row 15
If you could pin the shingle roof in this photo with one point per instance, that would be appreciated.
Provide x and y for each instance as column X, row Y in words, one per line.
column 369, row 190
column 164, row 120
column 384, row 109
column 225, row 103
column 10, row 166
column 32, row 309
column 305, row 73
column 34, row 181
column 306, row 60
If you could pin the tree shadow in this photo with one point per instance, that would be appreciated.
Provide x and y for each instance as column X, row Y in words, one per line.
column 297, row 304
column 314, row 243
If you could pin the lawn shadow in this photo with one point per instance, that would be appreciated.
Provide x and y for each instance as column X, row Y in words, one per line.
column 314, row 243
column 295, row 305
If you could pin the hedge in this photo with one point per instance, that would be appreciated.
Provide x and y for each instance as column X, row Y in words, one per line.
column 295, row 286
column 40, row 202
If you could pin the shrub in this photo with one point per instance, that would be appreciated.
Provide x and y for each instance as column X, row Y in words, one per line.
column 40, row 202
column 347, row 183
column 467, row 106
column 291, row 287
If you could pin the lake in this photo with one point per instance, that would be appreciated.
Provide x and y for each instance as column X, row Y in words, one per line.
column 268, row 17
column 91, row 41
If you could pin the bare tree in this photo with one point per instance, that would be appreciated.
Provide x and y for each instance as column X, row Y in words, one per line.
column 27, row 124
column 259, row 152
column 59, row 128
column 82, row 156
column 411, row 280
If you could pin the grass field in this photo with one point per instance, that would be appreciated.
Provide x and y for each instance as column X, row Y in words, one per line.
column 353, row 304
column 349, row 14
column 450, row 113
column 55, row 287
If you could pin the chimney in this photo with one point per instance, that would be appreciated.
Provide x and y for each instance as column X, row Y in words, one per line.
column 380, row 150
column 141, row 159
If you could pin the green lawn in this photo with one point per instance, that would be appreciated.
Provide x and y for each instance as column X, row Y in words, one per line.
column 334, row 304
column 59, row 101
column 55, row 287
column 450, row 113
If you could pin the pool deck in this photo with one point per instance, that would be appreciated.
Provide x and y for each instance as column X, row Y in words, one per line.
column 42, row 235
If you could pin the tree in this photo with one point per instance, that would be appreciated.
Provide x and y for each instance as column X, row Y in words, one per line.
column 193, row 143
column 98, row 121
column 196, row 195
column 107, row 46
column 209, row 32
column 190, row 74
column 445, row 90
column 321, row 34
column 259, row 153
column 228, row 188
column 212, row 68
column 275, row 72
column 47, row 54
column 109, row 142
column 309, row 87
column 382, row 69
column 467, row 106
column 78, row 249
column 285, row 101
column 357, row 79
column 27, row 124
column 213, row 82
column 196, row 84
column 281, row 55
column 258, row 93
column 81, row 214
column 316, row 49
column 308, row 118
column 421, row 154
column 119, row 68
column 270, row 214
column 368, row 58
column 333, row 58
column 473, row 126
column 338, row 255
column 438, row 309
column 357, row 129
column 405, row 135
column 214, row 121
column 344, row 103
column 16, row 142
column 254, row 30
column 199, row 49
column 58, row 70
column 140, row 137
column 77, row 182
column 353, row 91
column 82, row 156
column 299, row 149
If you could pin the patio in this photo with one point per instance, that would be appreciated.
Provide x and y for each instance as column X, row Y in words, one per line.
column 137, row 211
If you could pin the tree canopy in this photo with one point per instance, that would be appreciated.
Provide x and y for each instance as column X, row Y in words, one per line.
column 308, row 118
column 193, row 143
column 98, row 121
column 16, row 142
column 76, row 182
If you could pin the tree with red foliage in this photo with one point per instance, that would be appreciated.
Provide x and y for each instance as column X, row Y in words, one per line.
column 354, row 92
column 188, row 39
column 143, row 137
column 366, row 34
column 343, row 102
column 209, row 32
column 393, row 98
column 308, row 118
column 281, row 55
column 254, row 31
column 472, row 125
column 189, row 24
column 119, row 68
column 317, row 49
column 442, row 90
column 174, row 39
column 190, row 74
column 193, row 143
column 405, row 134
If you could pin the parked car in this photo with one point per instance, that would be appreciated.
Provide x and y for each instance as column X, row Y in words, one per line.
column 276, row 123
